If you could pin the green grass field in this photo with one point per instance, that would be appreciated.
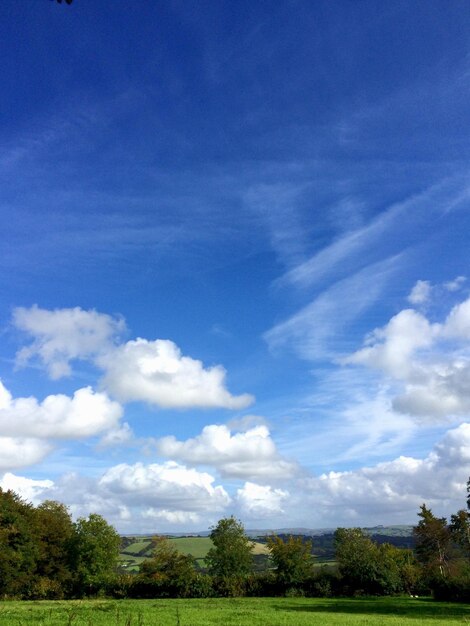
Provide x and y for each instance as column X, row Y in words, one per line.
column 197, row 547
column 138, row 546
column 236, row 612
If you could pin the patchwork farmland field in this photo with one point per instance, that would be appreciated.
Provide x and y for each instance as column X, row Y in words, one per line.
column 133, row 554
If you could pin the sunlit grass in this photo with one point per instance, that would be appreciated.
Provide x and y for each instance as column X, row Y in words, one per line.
column 236, row 612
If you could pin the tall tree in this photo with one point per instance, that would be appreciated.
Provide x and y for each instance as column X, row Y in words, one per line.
column 292, row 559
column 54, row 565
column 433, row 542
column 96, row 552
column 232, row 551
column 357, row 557
column 19, row 549
column 460, row 531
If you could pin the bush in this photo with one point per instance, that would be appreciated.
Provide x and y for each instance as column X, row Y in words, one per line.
column 454, row 589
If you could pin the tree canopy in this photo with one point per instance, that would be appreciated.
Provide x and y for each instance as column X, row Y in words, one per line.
column 292, row 559
column 232, row 551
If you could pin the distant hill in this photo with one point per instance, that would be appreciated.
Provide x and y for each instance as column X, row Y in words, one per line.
column 402, row 530
column 137, row 548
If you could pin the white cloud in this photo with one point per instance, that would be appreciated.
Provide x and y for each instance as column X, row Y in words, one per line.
column 383, row 234
column 456, row 284
column 394, row 490
column 117, row 436
column 18, row 452
column 138, row 498
column 157, row 372
column 155, row 497
column 250, row 454
column 315, row 332
column 63, row 335
column 260, row 500
column 430, row 360
column 172, row 517
column 420, row 293
column 27, row 488
column 457, row 324
column 168, row 486
column 140, row 370
column 390, row 348
column 85, row 414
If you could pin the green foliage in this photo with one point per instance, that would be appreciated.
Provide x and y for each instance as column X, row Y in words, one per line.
column 454, row 588
column 433, row 543
column 95, row 552
column 370, row 568
column 292, row 559
column 19, row 548
column 56, row 531
column 231, row 555
column 168, row 569
column 459, row 528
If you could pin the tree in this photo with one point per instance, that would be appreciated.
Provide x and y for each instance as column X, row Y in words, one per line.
column 433, row 542
column 292, row 559
column 460, row 531
column 232, row 551
column 19, row 548
column 371, row 568
column 169, row 568
column 96, row 552
column 357, row 558
column 56, row 531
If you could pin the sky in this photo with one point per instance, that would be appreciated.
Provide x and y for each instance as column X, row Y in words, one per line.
column 234, row 260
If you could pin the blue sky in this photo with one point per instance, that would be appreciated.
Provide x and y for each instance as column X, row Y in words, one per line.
column 234, row 269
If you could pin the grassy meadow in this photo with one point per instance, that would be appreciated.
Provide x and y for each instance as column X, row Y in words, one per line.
column 236, row 612
column 135, row 553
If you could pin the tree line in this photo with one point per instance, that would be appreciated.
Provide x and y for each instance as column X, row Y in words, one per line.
column 45, row 555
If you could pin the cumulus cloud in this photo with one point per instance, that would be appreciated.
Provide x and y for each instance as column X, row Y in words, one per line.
column 63, row 335
column 250, row 454
column 172, row 517
column 154, row 497
column 140, row 370
column 260, row 500
column 138, row 497
column 117, row 436
column 420, row 293
column 395, row 489
column 157, row 372
column 169, row 486
column 18, row 452
column 27, row 488
column 85, row 414
column 390, row 348
column 431, row 361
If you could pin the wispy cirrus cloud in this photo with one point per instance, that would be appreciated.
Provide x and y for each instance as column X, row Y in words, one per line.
column 361, row 247
column 315, row 332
